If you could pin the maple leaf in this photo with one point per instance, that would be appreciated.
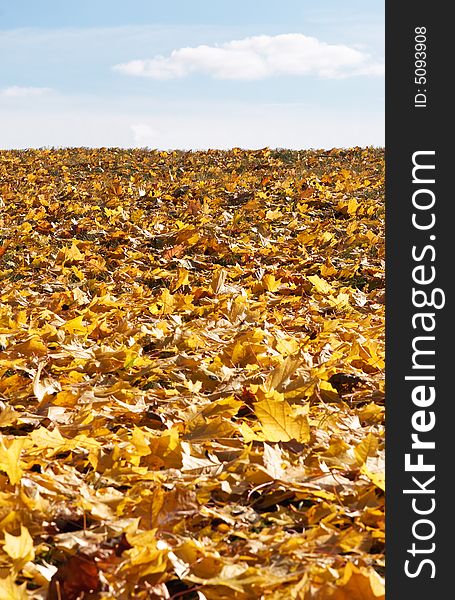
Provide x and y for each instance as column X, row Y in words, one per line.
column 280, row 423
column 367, row 447
column 9, row 459
column 270, row 283
column 281, row 374
column 320, row 285
column 358, row 584
column 19, row 547
column 9, row 590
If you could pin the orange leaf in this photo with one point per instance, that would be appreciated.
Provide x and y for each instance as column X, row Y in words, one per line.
column 4, row 247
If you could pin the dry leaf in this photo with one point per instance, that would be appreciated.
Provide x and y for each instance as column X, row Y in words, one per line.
column 280, row 423
column 19, row 547
column 77, row 575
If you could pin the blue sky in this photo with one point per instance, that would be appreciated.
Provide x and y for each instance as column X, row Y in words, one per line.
column 191, row 74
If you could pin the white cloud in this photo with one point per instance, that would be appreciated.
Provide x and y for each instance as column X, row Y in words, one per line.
column 16, row 91
column 258, row 57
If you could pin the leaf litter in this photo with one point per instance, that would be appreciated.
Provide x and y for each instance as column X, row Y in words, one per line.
column 192, row 374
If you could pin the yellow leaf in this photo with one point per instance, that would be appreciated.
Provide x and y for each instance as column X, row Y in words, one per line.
column 326, row 237
column 76, row 377
column 79, row 274
column 167, row 448
column 44, row 387
column 359, row 584
column 73, row 254
column 226, row 407
column 211, row 429
column 145, row 556
column 327, row 269
column 168, row 302
column 270, row 283
column 279, row 422
column 181, row 279
column 286, row 346
column 281, row 374
column 140, row 442
column 25, row 227
column 115, row 212
column 218, row 279
column 377, row 478
column 203, row 564
column 318, row 494
column 352, row 540
column 320, row 285
column 244, row 353
column 33, row 346
column 9, row 459
column 19, row 547
column 10, row 591
column 8, row 416
column 367, row 447
column 51, row 441
column 272, row 215
column 75, row 325
column 352, row 206
column 195, row 387
column 339, row 301
column 249, row 434
column 328, row 392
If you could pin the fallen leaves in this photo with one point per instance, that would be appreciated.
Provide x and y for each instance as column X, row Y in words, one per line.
column 280, row 423
column 10, row 591
column 19, row 547
column 10, row 452
column 191, row 374
column 320, row 285
column 77, row 575
column 356, row 584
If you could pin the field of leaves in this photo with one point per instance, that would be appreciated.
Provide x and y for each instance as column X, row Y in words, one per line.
column 192, row 374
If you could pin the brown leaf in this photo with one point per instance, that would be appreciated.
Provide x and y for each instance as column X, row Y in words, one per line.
column 77, row 575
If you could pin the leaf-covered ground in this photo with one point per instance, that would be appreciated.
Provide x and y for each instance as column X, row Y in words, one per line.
column 192, row 374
